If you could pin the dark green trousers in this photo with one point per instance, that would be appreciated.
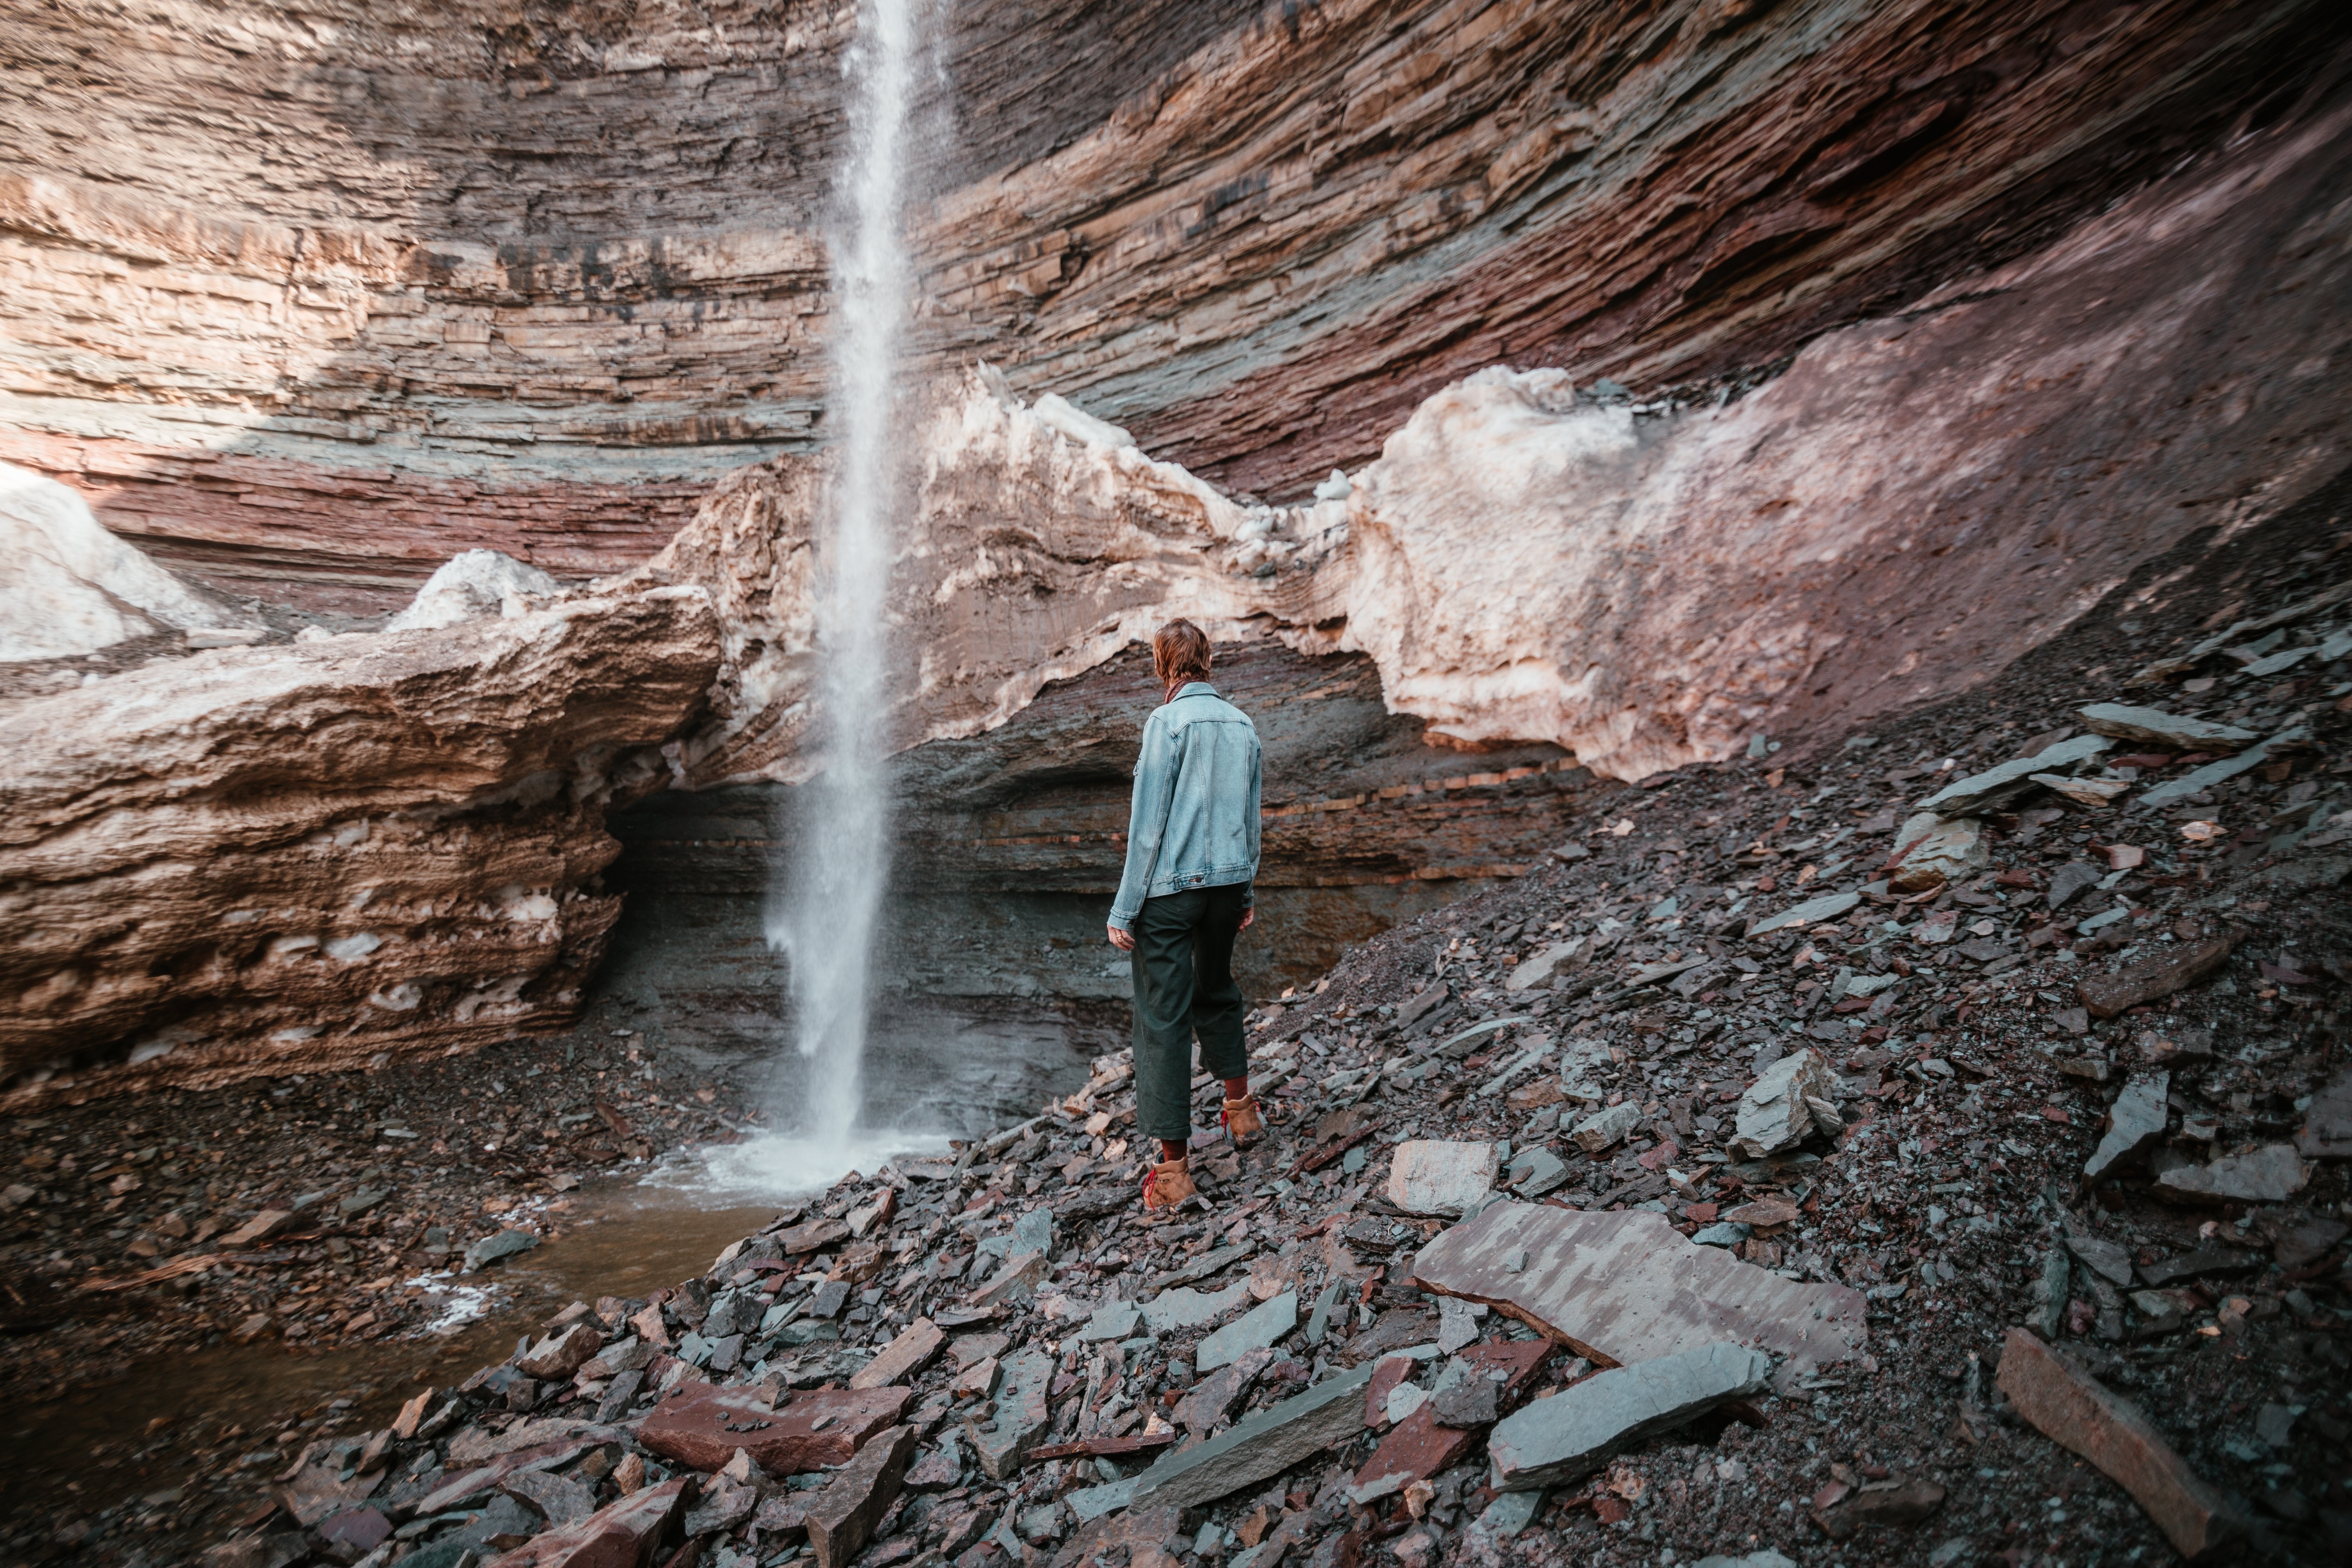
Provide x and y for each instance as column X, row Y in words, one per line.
column 1184, row 968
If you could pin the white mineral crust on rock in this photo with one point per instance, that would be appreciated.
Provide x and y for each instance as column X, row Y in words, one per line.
column 68, row 586
column 468, row 587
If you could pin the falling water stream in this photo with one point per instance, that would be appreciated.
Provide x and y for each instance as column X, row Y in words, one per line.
column 828, row 901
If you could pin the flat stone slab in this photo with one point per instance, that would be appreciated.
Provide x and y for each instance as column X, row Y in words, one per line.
column 842, row 1518
column 2326, row 1131
column 1427, row 1176
column 622, row 1533
column 1828, row 907
column 2151, row 979
column 1114, row 1320
column 1981, row 792
column 1022, row 1413
column 2073, row 1410
column 2156, row 727
column 916, row 1345
column 1538, row 969
column 2135, row 1120
column 1576, row 1430
column 1184, row 1308
column 1266, row 1444
column 1608, row 1127
column 2211, row 774
column 702, row 1424
column 1257, row 1328
column 1625, row 1287
column 2266, row 1175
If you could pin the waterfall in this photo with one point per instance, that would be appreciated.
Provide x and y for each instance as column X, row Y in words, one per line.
column 832, row 895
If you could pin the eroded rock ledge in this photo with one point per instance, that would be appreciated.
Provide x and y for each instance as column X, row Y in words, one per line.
column 302, row 857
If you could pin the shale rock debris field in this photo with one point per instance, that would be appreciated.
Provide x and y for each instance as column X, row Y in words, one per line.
column 1924, row 1147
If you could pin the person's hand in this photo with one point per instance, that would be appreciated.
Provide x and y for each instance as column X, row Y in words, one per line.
column 1122, row 940
column 1249, row 918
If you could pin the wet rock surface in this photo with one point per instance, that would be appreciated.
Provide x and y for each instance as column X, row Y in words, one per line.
column 1941, row 1188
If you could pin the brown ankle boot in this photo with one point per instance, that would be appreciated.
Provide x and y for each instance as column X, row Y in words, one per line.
column 1167, row 1184
column 1244, row 1124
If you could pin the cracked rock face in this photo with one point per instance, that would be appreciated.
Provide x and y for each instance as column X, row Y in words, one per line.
column 300, row 858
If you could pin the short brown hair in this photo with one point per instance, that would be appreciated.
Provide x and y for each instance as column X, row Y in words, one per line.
column 1180, row 651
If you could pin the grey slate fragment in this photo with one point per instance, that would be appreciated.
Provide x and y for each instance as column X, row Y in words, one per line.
column 2135, row 1120
column 1266, row 1444
column 490, row 1248
column 1212, row 1399
column 2101, row 1256
column 1575, row 1432
column 1173, row 1310
column 2212, row 774
column 2157, row 727
column 1114, row 1320
column 841, row 1519
column 1319, row 1322
column 1022, row 1416
column 1262, row 1326
column 1468, row 1402
column 1828, row 907
column 2070, row 879
column 1980, row 792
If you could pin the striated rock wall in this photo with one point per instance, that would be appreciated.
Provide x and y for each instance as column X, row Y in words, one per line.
column 300, row 858
column 311, row 300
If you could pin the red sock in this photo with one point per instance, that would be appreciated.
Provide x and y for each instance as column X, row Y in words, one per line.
column 1171, row 1149
column 1237, row 1088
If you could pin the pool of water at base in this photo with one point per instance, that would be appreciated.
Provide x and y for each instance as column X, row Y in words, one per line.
column 79, row 1450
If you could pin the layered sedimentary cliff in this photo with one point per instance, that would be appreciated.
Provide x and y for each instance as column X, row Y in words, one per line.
column 300, row 858
column 311, row 299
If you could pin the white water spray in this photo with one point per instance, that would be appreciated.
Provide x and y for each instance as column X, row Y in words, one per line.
column 826, row 922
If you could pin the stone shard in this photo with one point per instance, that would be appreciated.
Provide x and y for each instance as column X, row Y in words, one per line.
column 2269, row 1174
column 841, row 1519
column 1467, row 1403
column 701, row 1425
column 1607, row 1128
column 1265, row 1445
column 1420, row 1446
column 1885, row 1502
column 2154, row 726
column 1431, row 1176
column 1622, row 1288
column 1535, row 971
column 1257, row 1328
column 812, row 1237
column 1172, row 1310
column 2070, row 879
column 1113, row 1319
column 1979, row 792
column 2327, row 1131
column 1212, row 1399
column 1020, row 1277
column 1777, row 1111
column 2137, row 1120
column 1828, row 907
column 2073, row 1410
column 2101, row 1256
column 149, row 803
column 2211, row 774
column 1576, row 1431
column 903, row 1356
column 561, row 1499
column 2151, row 979
column 1933, row 850
column 491, row 1248
column 560, row 1355
column 621, row 1534
column 1023, row 1411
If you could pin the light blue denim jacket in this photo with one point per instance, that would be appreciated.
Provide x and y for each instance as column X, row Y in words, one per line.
column 1194, row 823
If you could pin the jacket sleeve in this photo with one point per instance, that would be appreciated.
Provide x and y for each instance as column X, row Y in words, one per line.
column 1147, row 818
column 1256, row 785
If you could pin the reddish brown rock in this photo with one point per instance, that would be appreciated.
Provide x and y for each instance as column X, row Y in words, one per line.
column 2074, row 1411
column 702, row 1425
column 2174, row 969
column 1884, row 1502
column 623, row 1534
column 1418, row 1447
column 560, row 1355
column 841, row 1519
column 808, row 1237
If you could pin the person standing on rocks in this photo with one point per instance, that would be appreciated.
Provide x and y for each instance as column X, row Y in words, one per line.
column 1185, row 895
